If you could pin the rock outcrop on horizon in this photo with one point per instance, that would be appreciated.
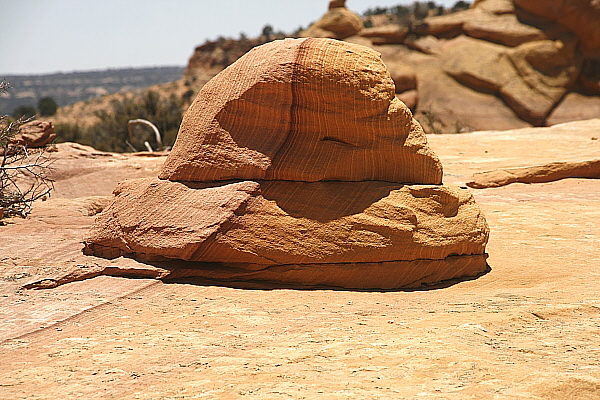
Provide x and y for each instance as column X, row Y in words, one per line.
column 337, row 23
column 528, row 54
column 501, row 64
column 306, row 170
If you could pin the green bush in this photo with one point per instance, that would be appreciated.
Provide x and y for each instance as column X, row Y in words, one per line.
column 47, row 106
column 111, row 134
column 460, row 5
column 24, row 111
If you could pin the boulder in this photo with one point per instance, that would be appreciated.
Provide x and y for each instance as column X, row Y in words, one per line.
column 478, row 64
column 292, row 111
column 579, row 16
column 426, row 44
column 445, row 26
column 404, row 77
column 35, row 134
column 337, row 23
column 304, row 170
column 546, row 71
column 485, row 20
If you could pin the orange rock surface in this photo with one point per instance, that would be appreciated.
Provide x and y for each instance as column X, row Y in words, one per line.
column 302, row 110
column 337, row 23
column 338, row 186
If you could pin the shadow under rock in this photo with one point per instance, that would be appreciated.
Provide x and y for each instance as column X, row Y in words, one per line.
column 327, row 200
column 184, row 272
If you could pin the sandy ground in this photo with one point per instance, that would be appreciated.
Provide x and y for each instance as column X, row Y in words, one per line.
column 528, row 329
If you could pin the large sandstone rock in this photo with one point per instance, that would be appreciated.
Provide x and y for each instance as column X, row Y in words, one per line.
column 410, row 98
column 282, row 112
column 35, row 134
column 481, row 22
column 546, row 71
column 261, row 223
column 428, row 44
column 478, row 64
column 449, row 25
column 337, row 23
column 298, row 165
column 404, row 76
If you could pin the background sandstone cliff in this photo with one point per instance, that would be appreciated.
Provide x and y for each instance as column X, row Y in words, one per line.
column 500, row 64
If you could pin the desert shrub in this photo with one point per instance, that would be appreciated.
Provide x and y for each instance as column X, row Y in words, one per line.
column 110, row 133
column 460, row 5
column 407, row 14
column 376, row 11
column 23, row 173
column 66, row 132
column 267, row 32
column 24, row 111
column 47, row 106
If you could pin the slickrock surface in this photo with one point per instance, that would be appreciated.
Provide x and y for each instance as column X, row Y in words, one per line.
column 527, row 329
column 338, row 185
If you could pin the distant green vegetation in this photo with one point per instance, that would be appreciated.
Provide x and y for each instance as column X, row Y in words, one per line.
column 405, row 15
column 111, row 134
column 24, row 111
column 47, row 106
column 71, row 87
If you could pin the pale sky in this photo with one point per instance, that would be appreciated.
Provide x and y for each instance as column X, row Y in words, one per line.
column 44, row 36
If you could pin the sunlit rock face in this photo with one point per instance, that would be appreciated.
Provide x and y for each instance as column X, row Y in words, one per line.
column 298, row 165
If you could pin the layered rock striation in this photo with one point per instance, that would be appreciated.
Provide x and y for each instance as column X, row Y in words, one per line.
column 298, row 165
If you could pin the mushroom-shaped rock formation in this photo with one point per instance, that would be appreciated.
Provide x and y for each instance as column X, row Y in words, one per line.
column 298, row 165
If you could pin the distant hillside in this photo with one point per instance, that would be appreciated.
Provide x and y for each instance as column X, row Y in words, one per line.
column 71, row 87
